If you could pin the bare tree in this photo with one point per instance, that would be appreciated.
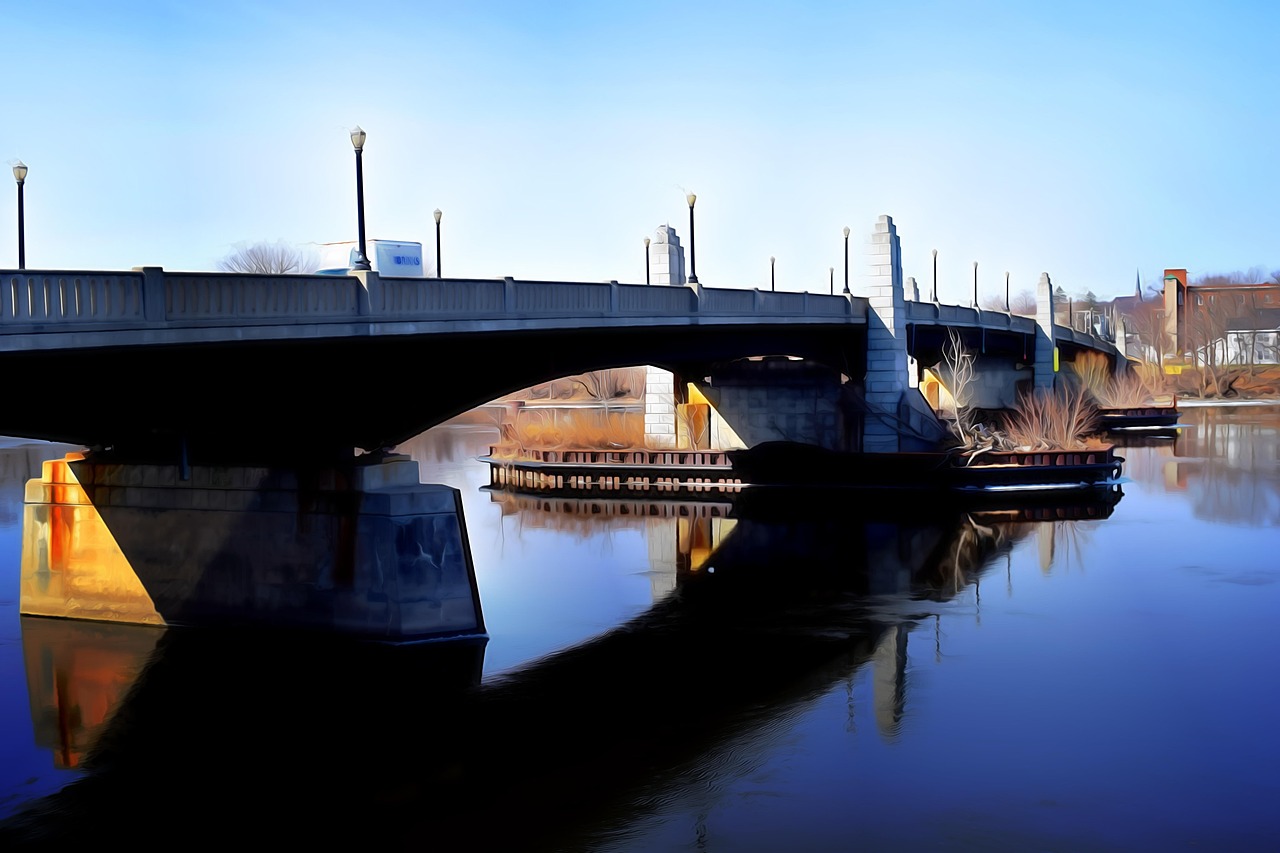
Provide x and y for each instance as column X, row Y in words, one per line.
column 1023, row 303
column 268, row 259
column 958, row 371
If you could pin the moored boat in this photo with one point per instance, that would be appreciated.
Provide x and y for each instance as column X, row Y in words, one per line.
column 793, row 464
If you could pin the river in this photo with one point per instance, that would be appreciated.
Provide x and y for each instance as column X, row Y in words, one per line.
column 814, row 673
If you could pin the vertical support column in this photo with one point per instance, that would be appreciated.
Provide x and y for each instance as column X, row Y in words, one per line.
column 1045, row 360
column 371, row 299
column 659, row 409
column 154, row 307
column 887, row 373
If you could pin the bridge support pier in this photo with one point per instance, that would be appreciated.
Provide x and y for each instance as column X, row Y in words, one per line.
column 360, row 549
column 897, row 418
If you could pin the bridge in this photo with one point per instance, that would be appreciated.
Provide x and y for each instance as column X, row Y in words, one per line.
column 222, row 411
column 245, row 368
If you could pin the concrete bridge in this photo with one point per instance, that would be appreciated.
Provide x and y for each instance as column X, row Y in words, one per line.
column 222, row 411
column 249, row 368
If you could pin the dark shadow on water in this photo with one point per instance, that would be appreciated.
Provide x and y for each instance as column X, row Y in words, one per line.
column 238, row 737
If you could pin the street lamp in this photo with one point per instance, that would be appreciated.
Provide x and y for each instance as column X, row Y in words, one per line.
column 693, row 257
column 935, row 275
column 646, row 260
column 20, row 175
column 771, row 281
column 846, row 259
column 437, row 214
column 975, row 284
column 357, row 141
column 832, row 280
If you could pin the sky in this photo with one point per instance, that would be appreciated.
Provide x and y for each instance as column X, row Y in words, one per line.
column 1098, row 142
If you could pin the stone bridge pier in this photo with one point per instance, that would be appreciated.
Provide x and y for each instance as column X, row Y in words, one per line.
column 361, row 549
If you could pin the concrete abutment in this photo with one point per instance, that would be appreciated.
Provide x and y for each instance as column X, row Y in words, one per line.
column 362, row 549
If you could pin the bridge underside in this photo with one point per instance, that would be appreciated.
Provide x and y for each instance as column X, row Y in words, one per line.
column 317, row 399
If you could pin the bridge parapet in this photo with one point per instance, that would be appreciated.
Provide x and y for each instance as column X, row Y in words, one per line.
column 65, row 296
column 963, row 315
column 217, row 296
column 148, row 297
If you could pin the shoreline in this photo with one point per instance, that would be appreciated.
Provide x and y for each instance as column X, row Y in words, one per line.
column 1193, row 403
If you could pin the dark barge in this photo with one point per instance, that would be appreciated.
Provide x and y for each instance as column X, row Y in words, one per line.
column 795, row 464
column 1139, row 417
column 787, row 463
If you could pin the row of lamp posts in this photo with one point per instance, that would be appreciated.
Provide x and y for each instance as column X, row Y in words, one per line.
column 693, row 258
column 361, row 262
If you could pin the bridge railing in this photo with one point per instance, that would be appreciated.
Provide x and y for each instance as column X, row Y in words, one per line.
column 215, row 296
column 64, row 296
column 53, row 300
column 964, row 315
column 437, row 299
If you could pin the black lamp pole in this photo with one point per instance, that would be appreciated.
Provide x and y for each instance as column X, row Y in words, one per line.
column 437, row 214
column 357, row 141
column 771, row 280
column 935, row 275
column 846, row 259
column 693, row 257
column 646, row 260
column 20, row 175
column 832, row 280
column 1007, row 306
column 975, row 284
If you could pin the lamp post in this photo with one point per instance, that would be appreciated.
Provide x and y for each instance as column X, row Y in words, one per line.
column 832, row 280
column 771, row 281
column 437, row 214
column 846, row 259
column 20, row 175
column 357, row 141
column 646, row 260
column 935, row 275
column 693, row 256
column 975, row 284
column 1007, row 307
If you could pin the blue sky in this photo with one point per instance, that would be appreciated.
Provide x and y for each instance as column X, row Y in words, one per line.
column 1086, row 140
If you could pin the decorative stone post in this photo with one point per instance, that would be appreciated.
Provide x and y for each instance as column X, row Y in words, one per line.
column 886, row 339
column 666, row 257
column 1045, row 363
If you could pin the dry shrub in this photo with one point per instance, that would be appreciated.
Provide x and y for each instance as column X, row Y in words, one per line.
column 1062, row 419
column 573, row 429
column 1137, row 385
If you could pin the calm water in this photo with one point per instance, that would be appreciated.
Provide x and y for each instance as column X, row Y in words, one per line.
column 801, row 674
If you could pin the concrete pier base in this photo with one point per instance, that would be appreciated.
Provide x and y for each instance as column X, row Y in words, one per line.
column 359, row 549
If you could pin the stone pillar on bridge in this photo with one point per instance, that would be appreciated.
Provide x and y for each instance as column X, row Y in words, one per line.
column 666, row 257
column 897, row 417
column 1045, row 364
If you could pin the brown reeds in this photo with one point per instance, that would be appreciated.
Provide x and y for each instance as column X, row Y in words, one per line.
column 1134, row 385
column 586, row 428
column 1062, row 419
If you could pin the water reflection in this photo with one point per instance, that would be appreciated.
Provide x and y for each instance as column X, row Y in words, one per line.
column 1227, row 460
column 215, row 736
column 800, row 673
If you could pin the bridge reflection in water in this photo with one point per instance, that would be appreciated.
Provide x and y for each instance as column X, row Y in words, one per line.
column 224, row 736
